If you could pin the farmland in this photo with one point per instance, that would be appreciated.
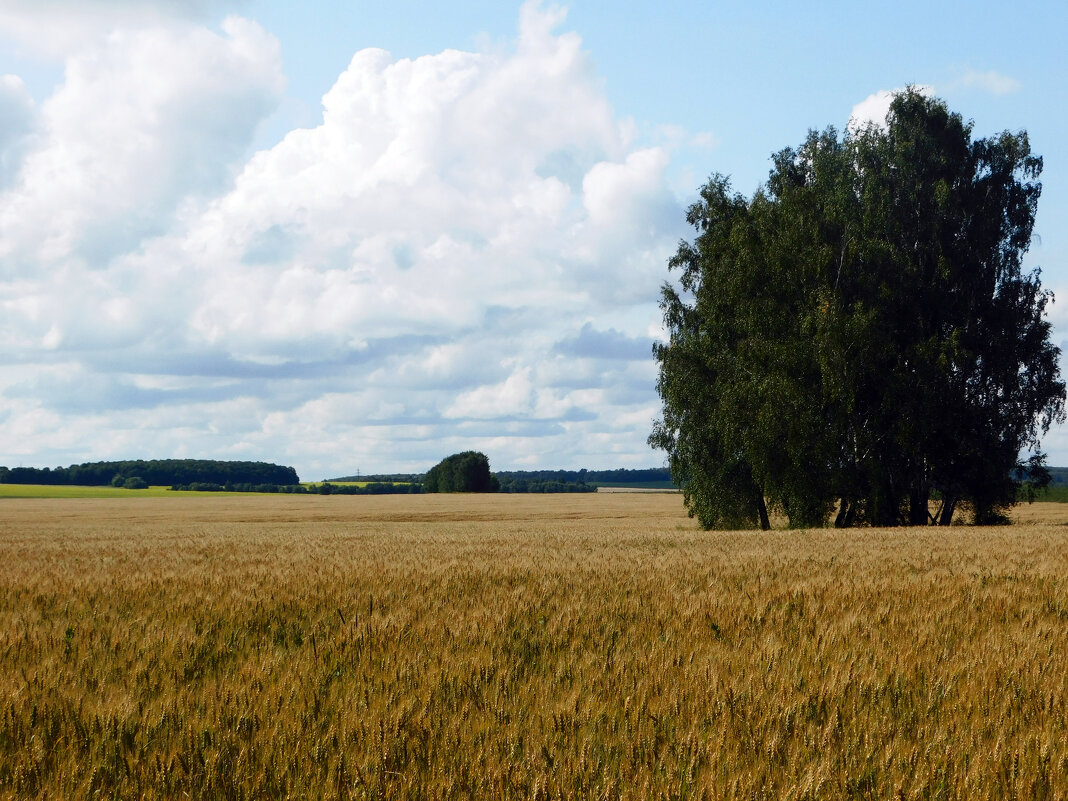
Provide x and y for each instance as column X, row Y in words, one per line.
column 78, row 491
column 446, row 646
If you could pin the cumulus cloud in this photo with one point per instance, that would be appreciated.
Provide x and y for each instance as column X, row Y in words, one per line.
column 18, row 119
column 143, row 121
column 55, row 28
column 465, row 252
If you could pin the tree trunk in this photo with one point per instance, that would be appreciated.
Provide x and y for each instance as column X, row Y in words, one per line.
column 762, row 510
column 851, row 515
column 884, row 507
column 846, row 514
column 945, row 515
column 918, row 500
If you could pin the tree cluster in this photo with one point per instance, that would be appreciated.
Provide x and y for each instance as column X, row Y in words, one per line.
column 579, row 480
column 158, row 472
column 525, row 485
column 592, row 477
column 859, row 338
column 462, row 472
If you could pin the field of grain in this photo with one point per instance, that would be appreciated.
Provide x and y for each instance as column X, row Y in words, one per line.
column 56, row 492
column 534, row 647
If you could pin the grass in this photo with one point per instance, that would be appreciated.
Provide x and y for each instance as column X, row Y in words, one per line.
column 1055, row 494
column 572, row 646
column 57, row 492
column 658, row 485
column 47, row 491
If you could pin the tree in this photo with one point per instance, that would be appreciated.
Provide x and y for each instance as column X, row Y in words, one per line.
column 860, row 333
column 462, row 472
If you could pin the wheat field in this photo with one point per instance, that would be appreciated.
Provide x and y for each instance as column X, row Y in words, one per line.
column 534, row 647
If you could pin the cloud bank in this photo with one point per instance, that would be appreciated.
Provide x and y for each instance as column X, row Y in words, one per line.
column 465, row 253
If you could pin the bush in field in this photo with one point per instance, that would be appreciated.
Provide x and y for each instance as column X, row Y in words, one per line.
column 135, row 482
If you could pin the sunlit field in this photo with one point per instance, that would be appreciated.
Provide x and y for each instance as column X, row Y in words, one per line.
column 568, row 646
column 61, row 491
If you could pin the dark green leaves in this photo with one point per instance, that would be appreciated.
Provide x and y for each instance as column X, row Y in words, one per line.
column 860, row 332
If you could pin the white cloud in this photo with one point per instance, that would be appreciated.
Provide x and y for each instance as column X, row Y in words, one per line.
column 989, row 81
column 18, row 120
column 373, row 291
column 705, row 139
column 56, row 28
column 511, row 398
column 144, row 121
column 619, row 192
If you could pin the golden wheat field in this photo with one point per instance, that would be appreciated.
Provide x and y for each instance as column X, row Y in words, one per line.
column 534, row 647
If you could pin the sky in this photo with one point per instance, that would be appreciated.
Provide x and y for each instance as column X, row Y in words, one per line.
column 354, row 236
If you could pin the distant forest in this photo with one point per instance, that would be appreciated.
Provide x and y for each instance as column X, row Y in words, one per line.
column 551, row 480
column 1058, row 476
column 622, row 476
column 158, row 472
column 206, row 474
column 581, row 480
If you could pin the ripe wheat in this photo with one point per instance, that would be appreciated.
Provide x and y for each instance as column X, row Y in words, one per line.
column 521, row 647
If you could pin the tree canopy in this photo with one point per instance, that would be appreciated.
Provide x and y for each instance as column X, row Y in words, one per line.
column 154, row 471
column 462, row 472
column 860, row 334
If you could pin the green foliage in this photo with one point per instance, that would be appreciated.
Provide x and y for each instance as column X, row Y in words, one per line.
column 135, row 483
column 1052, row 494
column 860, row 333
column 462, row 472
column 624, row 477
column 522, row 485
column 155, row 472
column 323, row 488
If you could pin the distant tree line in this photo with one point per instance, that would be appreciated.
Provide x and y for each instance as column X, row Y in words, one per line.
column 469, row 472
column 520, row 485
column 1058, row 476
column 325, row 488
column 462, row 472
column 590, row 477
column 383, row 478
column 158, row 472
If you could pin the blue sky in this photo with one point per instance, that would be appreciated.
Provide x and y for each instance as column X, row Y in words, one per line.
column 344, row 236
